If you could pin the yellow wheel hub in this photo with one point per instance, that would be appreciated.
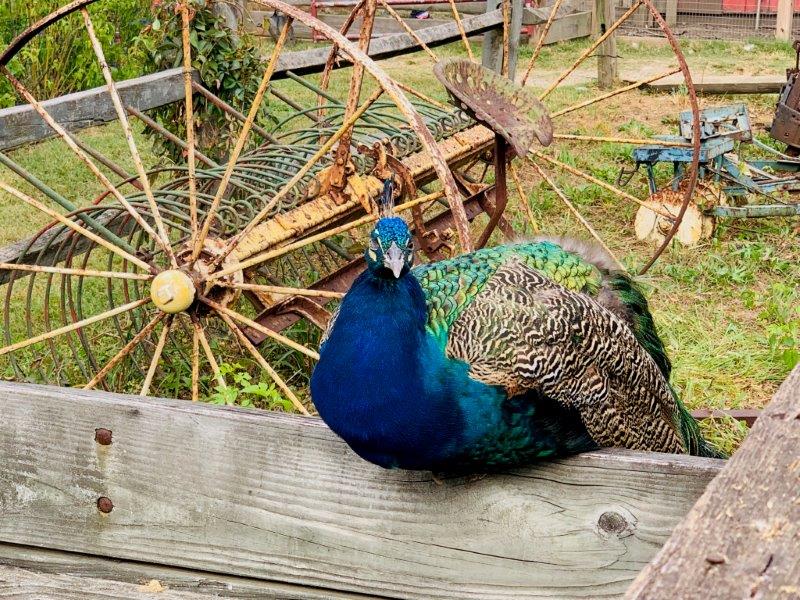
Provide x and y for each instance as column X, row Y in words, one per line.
column 172, row 291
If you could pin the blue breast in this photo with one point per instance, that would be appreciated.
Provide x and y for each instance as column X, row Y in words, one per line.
column 386, row 387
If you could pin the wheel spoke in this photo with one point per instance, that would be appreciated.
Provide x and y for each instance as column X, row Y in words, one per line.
column 586, row 53
column 621, row 140
column 201, row 335
column 596, row 181
column 506, row 10
column 73, row 225
column 75, row 272
column 264, row 364
column 577, row 214
column 73, row 326
column 323, row 150
column 190, row 142
column 270, row 254
column 463, row 33
column 126, row 350
column 240, row 142
column 540, row 41
column 126, row 128
column 162, row 340
column 326, row 71
column 195, row 364
column 284, row 291
column 83, row 156
column 523, row 200
column 260, row 328
column 613, row 93
column 413, row 34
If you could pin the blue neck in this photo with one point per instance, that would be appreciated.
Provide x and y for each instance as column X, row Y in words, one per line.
column 373, row 383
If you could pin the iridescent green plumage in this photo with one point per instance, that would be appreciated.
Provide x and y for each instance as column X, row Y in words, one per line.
column 451, row 285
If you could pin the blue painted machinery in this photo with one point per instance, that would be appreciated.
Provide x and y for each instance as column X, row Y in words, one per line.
column 752, row 188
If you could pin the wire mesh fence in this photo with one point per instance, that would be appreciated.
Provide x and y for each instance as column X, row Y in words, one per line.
column 709, row 19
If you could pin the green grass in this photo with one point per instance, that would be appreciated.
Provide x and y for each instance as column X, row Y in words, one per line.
column 727, row 308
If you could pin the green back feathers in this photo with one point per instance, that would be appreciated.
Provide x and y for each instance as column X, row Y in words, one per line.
column 451, row 285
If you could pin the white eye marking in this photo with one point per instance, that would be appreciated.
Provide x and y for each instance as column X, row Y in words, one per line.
column 373, row 244
column 372, row 254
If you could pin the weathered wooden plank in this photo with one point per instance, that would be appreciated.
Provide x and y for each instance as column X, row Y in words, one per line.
column 308, row 61
column 383, row 25
column 742, row 538
column 568, row 27
column 21, row 124
column 718, row 84
column 280, row 498
column 82, row 567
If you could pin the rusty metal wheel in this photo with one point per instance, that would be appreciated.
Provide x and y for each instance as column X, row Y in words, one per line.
column 163, row 288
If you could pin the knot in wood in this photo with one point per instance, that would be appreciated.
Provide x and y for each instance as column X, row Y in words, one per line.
column 612, row 522
column 102, row 436
column 104, row 505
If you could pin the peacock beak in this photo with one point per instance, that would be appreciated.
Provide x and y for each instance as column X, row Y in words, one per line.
column 394, row 260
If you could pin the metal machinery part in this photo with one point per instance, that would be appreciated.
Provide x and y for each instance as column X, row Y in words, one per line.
column 137, row 289
column 731, row 185
column 786, row 125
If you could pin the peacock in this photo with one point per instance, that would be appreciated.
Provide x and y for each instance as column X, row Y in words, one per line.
column 495, row 358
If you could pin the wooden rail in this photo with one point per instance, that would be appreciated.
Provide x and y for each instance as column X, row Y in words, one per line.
column 276, row 500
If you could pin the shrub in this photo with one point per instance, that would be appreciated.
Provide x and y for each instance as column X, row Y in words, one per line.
column 61, row 60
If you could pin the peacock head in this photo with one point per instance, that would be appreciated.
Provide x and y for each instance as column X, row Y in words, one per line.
column 391, row 248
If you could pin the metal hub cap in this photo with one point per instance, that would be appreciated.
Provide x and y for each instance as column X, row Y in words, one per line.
column 172, row 291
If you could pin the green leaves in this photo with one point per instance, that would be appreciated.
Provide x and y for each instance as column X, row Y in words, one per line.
column 227, row 62
column 246, row 393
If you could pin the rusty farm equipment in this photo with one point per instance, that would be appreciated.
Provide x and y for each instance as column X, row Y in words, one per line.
column 152, row 285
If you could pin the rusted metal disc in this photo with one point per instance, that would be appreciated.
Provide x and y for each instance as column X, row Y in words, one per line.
column 510, row 110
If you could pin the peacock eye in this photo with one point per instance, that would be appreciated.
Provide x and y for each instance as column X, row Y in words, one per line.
column 373, row 244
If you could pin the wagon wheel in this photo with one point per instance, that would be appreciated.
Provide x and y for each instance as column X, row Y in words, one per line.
column 150, row 289
column 181, row 273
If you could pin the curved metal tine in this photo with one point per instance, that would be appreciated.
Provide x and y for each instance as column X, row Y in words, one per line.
column 73, row 326
column 281, row 290
column 577, row 214
column 522, row 199
column 322, row 151
column 586, row 53
column 270, row 254
column 506, row 6
column 74, row 226
column 259, row 327
column 83, row 156
column 75, row 272
column 122, row 115
column 409, row 31
column 613, row 93
column 540, row 41
column 195, row 364
column 125, row 351
column 264, row 364
column 237, row 150
column 162, row 340
column 326, row 71
column 621, row 140
column 201, row 335
column 600, row 182
column 189, row 96
column 463, row 33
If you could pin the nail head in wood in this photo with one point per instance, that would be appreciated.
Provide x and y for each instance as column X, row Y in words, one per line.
column 104, row 505
column 102, row 436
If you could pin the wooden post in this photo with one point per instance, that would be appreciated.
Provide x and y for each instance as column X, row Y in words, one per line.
column 742, row 538
column 607, row 70
column 783, row 24
column 517, row 10
column 672, row 13
column 492, row 54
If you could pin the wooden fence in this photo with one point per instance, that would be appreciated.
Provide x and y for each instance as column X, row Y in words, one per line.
column 204, row 498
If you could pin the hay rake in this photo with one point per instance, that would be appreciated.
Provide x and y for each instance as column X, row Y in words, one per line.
column 141, row 287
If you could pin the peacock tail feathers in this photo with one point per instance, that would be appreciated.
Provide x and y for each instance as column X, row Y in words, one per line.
column 451, row 285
